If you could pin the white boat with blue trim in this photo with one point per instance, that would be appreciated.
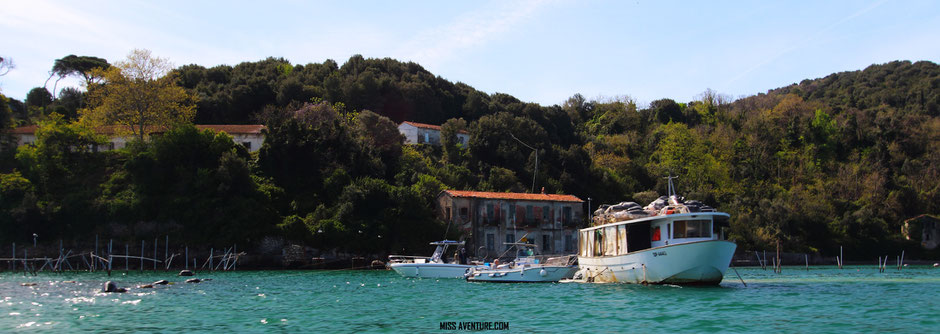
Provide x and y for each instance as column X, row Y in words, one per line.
column 434, row 266
column 527, row 267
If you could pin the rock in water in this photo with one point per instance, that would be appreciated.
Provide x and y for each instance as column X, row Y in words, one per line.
column 161, row 282
column 193, row 280
column 186, row 273
column 28, row 284
column 109, row 286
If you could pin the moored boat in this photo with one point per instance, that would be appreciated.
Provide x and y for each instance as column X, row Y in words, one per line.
column 434, row 266
column 527, row 267
column 670, row 241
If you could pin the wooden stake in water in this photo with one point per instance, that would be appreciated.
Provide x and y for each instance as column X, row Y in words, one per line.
column 13, row 267
column 127, row 251
column 806, row 257
column 166, row 252
column 186, row 259
column 901, row 261
column 841, row 259
column 764, row 266
column 211, row 250
column 155, row 254
column 141, row 256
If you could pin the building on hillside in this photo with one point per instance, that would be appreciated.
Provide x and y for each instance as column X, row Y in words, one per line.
column 420, row 133
column 924, row 227
column 489, row 219
column 250, row 135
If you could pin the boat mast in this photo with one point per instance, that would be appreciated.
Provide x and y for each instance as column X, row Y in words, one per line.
column 671, row 188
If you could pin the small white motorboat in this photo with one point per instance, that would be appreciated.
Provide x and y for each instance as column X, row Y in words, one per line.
column 431, row 267
column 526, row 268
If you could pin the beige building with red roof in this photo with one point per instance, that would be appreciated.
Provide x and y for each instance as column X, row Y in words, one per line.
column 490, row 219
column 249, row 135
column 420, row 133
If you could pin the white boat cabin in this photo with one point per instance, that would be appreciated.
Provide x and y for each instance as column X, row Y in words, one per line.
column 658, row 231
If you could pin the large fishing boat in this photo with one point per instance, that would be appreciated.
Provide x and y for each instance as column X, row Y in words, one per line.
column 670, row 241
column 434, row 266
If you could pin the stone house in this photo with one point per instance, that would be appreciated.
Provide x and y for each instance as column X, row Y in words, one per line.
column 922, row 228
column 490, row 219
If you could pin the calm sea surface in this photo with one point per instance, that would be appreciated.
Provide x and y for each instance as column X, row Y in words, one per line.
column 823, row 299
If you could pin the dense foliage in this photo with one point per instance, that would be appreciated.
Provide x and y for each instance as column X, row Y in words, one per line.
column 841, row 160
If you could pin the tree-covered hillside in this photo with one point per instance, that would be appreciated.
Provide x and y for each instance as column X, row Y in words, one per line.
column 840, row 160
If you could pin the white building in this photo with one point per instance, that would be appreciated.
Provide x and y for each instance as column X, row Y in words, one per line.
column 420, row 133
column 248, row 135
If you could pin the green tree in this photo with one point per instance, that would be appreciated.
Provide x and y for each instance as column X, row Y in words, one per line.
column 138, row 94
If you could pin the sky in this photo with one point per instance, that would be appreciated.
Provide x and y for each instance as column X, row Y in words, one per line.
column 538, row 51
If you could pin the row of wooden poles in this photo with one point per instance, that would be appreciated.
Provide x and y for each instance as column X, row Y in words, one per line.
column 777, row 263
column 104, row 259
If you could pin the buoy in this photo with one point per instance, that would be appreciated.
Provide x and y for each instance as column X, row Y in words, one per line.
column 109, row 286
column 186, row 273
column 193, row 280
column 543, row 273
column 936, row 265
column 161, row 282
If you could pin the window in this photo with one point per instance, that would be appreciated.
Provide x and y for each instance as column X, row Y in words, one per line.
column 510, row 237
column 693, row 229
column 420, row 140
column 447, row 214
column 598, row 242
column 656, row 234
column 111, row 146
column 463, row 213
column 490, row 213
column 247, row 145
column 546, row 243
column 512, row 213
column 566, row 214
column 490, row 242
column 545, row 211
column 529, row 215
column 569, row 243
column 427, row 137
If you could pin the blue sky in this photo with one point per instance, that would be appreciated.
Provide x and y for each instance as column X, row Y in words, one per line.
column 538, row 51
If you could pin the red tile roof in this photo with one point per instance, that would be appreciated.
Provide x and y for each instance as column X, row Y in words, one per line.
column 428, row 126
column 110, row 129
column 515, row 196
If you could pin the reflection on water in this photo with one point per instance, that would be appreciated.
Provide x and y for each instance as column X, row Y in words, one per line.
column 821, row 299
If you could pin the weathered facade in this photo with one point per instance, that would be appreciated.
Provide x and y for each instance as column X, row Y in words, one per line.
column 924, row 227
column 420, row 133
column 249, row 136
column 490, row 219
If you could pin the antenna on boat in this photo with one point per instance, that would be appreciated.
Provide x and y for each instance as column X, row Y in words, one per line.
column 671, row 188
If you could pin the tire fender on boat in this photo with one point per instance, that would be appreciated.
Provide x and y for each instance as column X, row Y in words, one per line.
column 543, row 273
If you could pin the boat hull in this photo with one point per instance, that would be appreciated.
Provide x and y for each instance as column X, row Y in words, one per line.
column 431, row 270
column 542, row 274
column 701, row 262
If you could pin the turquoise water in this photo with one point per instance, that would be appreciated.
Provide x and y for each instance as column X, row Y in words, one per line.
column 823, row 299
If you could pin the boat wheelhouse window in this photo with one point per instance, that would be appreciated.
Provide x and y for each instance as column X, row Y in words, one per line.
column 490, row 242
column 546, row 244
column 656, row 234
column 638, row 236
column 598, row 242
column 610, row 240
column 700, row 228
